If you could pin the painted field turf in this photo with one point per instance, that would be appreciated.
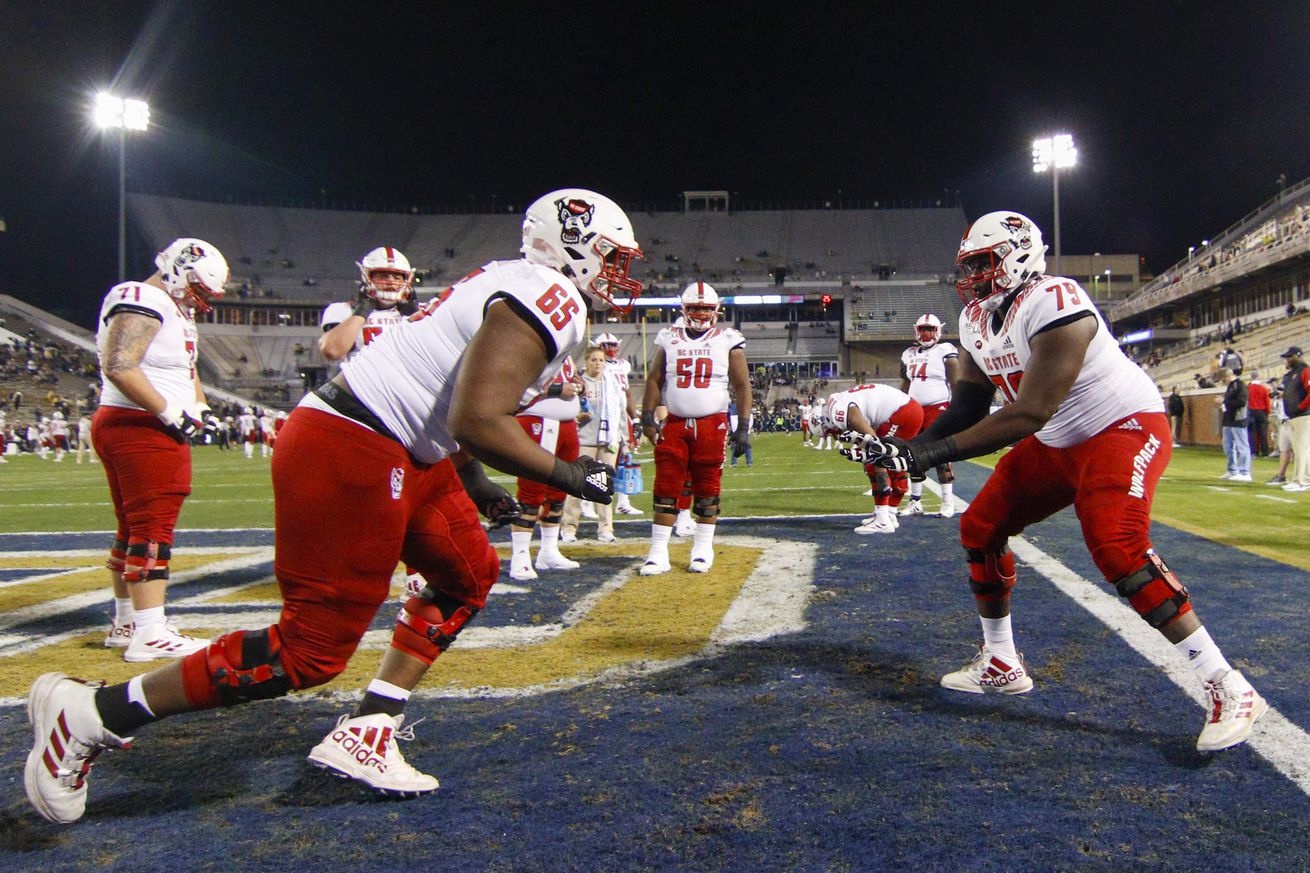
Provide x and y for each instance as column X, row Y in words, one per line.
column 781, row 712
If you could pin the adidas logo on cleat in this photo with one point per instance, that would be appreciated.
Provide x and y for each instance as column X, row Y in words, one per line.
column 999, row 674
column 366, row 749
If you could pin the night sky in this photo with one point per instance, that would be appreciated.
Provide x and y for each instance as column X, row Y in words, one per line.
column 1184, row 114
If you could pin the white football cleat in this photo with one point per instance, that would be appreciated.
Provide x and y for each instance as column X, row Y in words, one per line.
column 568, row 536
column 588, row 510
column 948, row 507
column 701, row 562
column 1234, row 708
column 653, row 567
column 520, row 569
column 606, row 538
column 552, row 560
column 628, row 509
column 414, row 585
column 989, row 672
column 913, row 507
column 67, row 737
column 876, row 525
column 119, row 636
column 366, row 748
column 159, row 642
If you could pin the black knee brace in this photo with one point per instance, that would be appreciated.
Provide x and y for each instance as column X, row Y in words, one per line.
column 1155, row 592
column 706, row 507
column 667, row 505
column 991, row 574
column 146, row 561
column 552, row 511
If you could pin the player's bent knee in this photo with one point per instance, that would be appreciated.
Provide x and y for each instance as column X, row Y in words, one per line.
column 991, row 573
column 919, row 477
column 1155, row 592
column 553, row 512
column 117, row 561
column 665, row 504
column 706, row 507
column 945, row 474
column 247, row 665
column 429, row 623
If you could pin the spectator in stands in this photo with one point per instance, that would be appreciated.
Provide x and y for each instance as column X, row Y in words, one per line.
column 152, row 403
column 1296, row 405
column 1237, row 450
column 1202, row 382
column 1257, row 420
column 1176, row 407
column 1231, row 360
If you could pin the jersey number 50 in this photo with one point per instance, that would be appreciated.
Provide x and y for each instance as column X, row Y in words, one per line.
column 557, row 303
column 694, row 372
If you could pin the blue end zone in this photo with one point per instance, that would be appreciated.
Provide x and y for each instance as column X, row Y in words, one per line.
column 832, row 748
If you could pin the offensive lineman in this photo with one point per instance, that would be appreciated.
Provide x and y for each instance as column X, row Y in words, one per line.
column 370, row 445
column 883, row 411
column 928, row 372
column 694, row 368
column 385, row 299
column 1091, row 431
column 151, row 403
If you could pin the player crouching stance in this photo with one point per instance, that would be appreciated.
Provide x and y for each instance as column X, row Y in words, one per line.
column 1090, row 430
column 694, row 366
column 380, row 441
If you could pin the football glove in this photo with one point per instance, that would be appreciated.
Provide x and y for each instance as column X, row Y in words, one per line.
column 364, row 303
column 651, row 428
column 181, row 426
column 741, row 441
column 586, row 478
column 899, row 456
column 408, row 304
column 493, row 501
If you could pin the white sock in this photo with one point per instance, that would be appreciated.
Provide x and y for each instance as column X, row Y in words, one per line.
column 137, row 694
column 659, row 543
column 383, row 688
column 883, row 513
column 146, row 618
column 123, row 610
column 703, row 539
column 998, row 636
column 550, row 538
column 684, row 516
column 520, row 540
column 947, row 491
column 1204, row 655
column 916, row 490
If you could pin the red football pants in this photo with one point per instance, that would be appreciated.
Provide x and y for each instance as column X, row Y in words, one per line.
column 692, row 450
column 1109, row 479
column 149, row 472
column 904, row 423
column 350, row 504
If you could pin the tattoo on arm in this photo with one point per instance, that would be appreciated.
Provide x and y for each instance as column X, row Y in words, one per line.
column 129, row 337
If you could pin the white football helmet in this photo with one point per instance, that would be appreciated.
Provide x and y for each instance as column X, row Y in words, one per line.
column 819, row 419
column 587, row 237
column 246, row 410
column 700, row 306
column 1000, row 253
column 928, row 329
column 193, row 272
column 386, row 276
column 609, row 343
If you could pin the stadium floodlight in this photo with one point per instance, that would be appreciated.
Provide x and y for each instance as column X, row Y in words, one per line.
column 1108, row 274
column 117, row 113
column 1055, row 153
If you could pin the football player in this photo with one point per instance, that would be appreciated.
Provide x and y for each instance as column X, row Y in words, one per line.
column 385, row 298
column 883, row 411
column 804, row 409
column 248, row 426
column 694, row 370
column 58, row 434
column 392, row 438
column 928, row 371
column 151, row 404
column 621, row 369
column 1090, row 430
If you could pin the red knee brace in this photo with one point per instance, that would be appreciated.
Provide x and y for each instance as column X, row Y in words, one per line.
column 1155, row 592
column 991, row 574
column 424, row 632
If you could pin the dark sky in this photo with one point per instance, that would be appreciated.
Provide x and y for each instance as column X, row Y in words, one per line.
column 1184, row 113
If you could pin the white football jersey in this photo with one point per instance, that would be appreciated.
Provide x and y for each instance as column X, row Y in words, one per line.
column 877, row 403
column 246, row 424
column 555, row 408
column 407, row 375
column 375, row 323
column 58, row 427
column 266, row 424
column 696, row 369
column 621, row 369
column 926, row 370
column 170, row 359
column 1109, row 387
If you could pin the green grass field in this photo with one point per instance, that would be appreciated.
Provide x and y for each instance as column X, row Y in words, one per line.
column 229, row 491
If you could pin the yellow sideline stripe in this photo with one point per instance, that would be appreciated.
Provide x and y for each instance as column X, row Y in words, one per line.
column 16, row 595
column 647, row 618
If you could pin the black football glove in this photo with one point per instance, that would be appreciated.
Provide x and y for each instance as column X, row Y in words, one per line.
column 586, row 478
column 915, row 458
column 181, row 425
column 741, row 441
column 408, row 304
column 364, row 303
column 494, row 502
